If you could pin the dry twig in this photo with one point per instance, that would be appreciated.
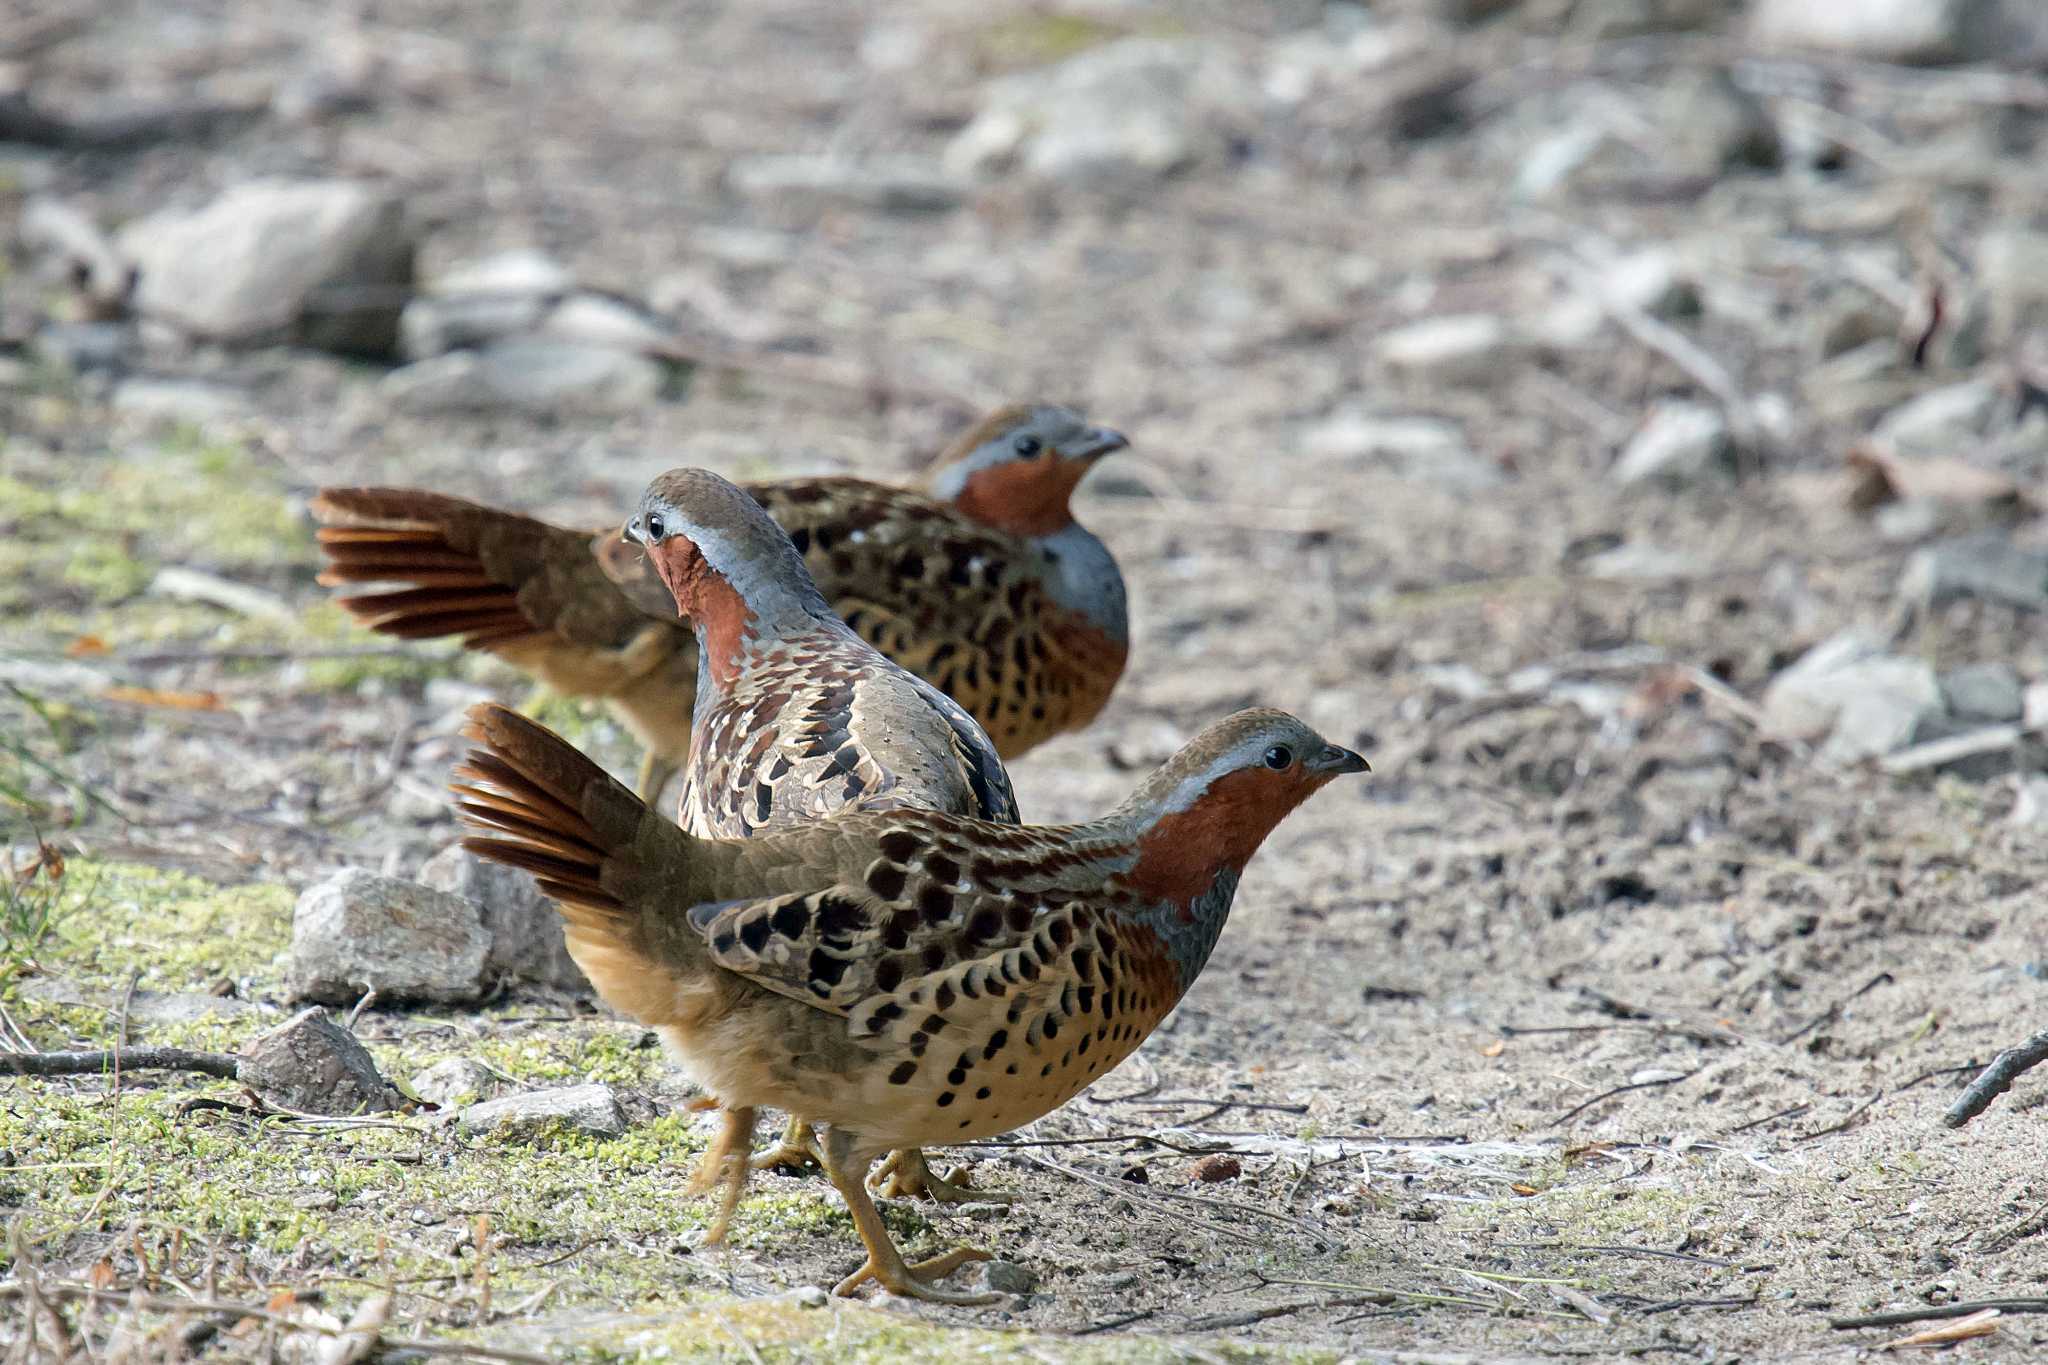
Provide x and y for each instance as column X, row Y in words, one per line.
column 1568, row 1115
column 2007, row 1067
column 116, row 1060
column 1946, row 1310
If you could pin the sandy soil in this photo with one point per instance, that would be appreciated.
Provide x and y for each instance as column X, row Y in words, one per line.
column 1596, row 1024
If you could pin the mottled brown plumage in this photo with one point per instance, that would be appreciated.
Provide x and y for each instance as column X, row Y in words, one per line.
column 898, row 978
column 981, row 583
column 796, row 718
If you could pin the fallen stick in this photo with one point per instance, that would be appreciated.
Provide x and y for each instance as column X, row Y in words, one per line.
column 1946, row 1310
column 218, row 1064
column 2007, row 1067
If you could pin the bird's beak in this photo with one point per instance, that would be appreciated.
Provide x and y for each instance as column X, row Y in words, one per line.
column 1333, row 761
column 1095, row 443
column 631, row 530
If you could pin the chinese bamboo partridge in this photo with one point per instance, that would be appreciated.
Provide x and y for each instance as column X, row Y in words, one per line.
column 982, row 583
column 903, row 977
column 796, row 718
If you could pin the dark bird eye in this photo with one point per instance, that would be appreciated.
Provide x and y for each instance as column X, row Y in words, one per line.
column 654, row 526
column 1027, row 446
column 1279, row 756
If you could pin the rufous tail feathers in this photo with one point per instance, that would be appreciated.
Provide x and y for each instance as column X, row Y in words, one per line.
column 541, row 806
column 437, row 545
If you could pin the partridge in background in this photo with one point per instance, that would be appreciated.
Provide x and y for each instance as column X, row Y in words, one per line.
column 897, row 978
column 982, row 583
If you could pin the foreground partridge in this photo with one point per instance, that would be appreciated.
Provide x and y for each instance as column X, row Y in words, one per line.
column 796, row 718
column 897, row 978
column 982, row 583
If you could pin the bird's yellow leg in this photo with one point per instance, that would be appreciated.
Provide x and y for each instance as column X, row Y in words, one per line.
column 724, row 1168
column 906, row 1175
column 885, row 1264
column 797, row 1148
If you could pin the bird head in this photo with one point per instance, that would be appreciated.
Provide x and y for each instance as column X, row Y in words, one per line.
column 1207, row 809
column 1016, row 469
column 730, row 568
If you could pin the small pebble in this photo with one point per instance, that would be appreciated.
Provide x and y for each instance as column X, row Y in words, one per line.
column 1007, row 1277
column 1216, row 1168
column 809, row 1296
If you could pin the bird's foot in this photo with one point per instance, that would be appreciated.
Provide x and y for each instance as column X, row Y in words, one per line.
column 914, row 1280
column 784, row 1155
column 725, row 1169
column 798, row 1149
column 905, row 1174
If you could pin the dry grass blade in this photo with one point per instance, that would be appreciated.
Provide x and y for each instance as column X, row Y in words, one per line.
column 1962, row 1329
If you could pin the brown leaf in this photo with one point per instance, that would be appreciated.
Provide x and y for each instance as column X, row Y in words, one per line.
column 1494, row 1048
column 1962, row 1329
column 1216, row 1168
column 151, row 696
column 1525, row 1190
column 86, row 646
column 102, row 1273
column 1879, row 476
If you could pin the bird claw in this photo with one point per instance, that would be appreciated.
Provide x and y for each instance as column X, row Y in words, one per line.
column 906, row 1175
column 787, row 1155
column 914, row 1280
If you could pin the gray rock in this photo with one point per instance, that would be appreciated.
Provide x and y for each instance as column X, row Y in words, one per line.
column 432, row 326
column 524, row 926
column 1866, row 702
column 900, row 184
column 455, row 382
column 1880, row 30
column 84, row 347
column 324, row 263
column 1797, row 705
column 2012, row 268
column 179, row 400
column 589, row 1109
column 601, row 320
column 68, row 246
column 552, row 374
column 1943, row 420
column 1884, row 705
column 1137, row 108
column 2030, row 807
column 1637, row 562
column 2009, row 31
column 1008, row 1277
column 1460, row 348
column 1984, row 692
column 1981, row 566
column 1710, row 125
column 1650, row 281
column 484, row 300
column 314, row 1065
column 1596, row 20
column 1471, row 11
column 358, row 931
column 523, row 272
column 1680, row 442
column 453, row 1082
column 1424, row 448
column 530, row 373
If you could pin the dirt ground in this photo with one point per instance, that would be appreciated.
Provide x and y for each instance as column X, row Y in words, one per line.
column 1596, row 1024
